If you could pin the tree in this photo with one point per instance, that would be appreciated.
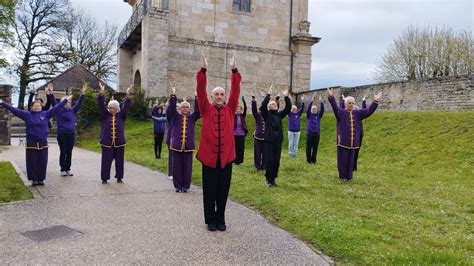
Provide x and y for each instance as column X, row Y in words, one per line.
column 427, row 53
column 37, row 27
column 90, row 44
column 7, row 15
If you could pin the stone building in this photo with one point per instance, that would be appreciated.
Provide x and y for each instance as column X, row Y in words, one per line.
column 161, row 44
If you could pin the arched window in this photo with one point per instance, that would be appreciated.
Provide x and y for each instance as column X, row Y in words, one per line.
column 241, row 5
column 137, row 80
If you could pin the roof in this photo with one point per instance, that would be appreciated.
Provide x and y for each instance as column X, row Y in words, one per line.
column 74, row 78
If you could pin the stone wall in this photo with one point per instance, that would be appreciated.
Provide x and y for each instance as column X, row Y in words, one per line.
column 453, row 93
column 5, row 116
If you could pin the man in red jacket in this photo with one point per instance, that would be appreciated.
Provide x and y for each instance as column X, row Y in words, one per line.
column 217, row 147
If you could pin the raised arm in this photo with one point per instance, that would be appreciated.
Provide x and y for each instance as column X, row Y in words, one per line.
column 171, row 112
column 196, row 114
column 364, row 102
column 51, row 99
column 366, row 112
column 159, row 119
column 308, row 111
column 79, row 102
column 101, row 100
column 126, row 104
column 201, row 84
column 254, row 108
column 30, row 99
column 245, row 106
column 234, row 86
column 52, row 112
column 263, row 107
column 300, row 112
column 287, row 109
column 18, row 112
column 336, row 109
column 321, row 110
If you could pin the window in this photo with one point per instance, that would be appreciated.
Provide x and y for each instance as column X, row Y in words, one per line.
column 241, row 5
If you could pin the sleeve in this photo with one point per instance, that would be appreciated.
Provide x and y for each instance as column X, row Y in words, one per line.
column 364, row 104
column 196, row 114
column 125, row 107
column 171, row 109
column 287, row 109
column 342, row 104
column 234, row 90
column 321, row 110
column 18, row 112
column 101, row 104
column 334, row 106
column 159, row 119
column 263, row 107
column 254, row 109
column 52, row 112
column 308, row 111
column 245, row 106
column 51, row 100
column 30, row 100
column 78, row 105
column 369, row 111
column 301, row 110
column 201, row 84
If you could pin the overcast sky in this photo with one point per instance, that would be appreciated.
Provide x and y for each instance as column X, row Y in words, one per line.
column 354, row 33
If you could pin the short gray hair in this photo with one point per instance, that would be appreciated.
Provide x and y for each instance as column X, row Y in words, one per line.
column 114, row 103
column 349, row 98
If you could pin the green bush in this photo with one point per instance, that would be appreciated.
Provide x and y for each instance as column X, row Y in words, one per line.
column 139, row 108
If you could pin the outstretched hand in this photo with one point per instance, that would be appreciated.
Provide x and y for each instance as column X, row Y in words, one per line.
column 285, row 93
column 330, row 91
column 302, row 98
column 320, row 98
column 343, row 97
column 378, row 96
column 49, row 89
column 69, row 98
column 365, row 96
column 270, row 89
column 84, row 88
column 173, row 91
column 232, row 62
column 203, row 60
column 129, row 90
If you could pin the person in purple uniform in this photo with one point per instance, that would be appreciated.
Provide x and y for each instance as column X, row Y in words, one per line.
column 66, row 129
column 112, row 134
column 159, row 121
column 313, row 126
column 240, row 131
column 258, row 138
column 294, row 125
column 273, row 134
column 168, row 138
column 364, row 105
column 36, row 122
column 182, row 141
column 348, row 131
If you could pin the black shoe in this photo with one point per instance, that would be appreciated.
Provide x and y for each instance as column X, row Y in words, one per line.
column 40, row 183
column 221, row 227
column 104, row 181
column 34, row 183
column 184, row 190
column 211, row 227
column 177, row 190
column 119, row 181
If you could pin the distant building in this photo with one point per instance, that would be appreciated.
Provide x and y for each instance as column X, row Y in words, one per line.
column 161, row 43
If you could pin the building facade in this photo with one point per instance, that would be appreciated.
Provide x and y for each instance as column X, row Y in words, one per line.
column 161, row 43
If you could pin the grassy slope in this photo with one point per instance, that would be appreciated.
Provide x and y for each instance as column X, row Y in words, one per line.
column 409, row 202
column 11, row 186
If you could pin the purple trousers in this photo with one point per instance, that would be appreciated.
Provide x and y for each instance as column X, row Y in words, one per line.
column 258, row 154
column 108, row 155
column 170, row 162
column 36, row 163
column 182, row 169
column 345, row 163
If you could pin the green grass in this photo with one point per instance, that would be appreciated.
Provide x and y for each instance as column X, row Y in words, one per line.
column 410, row 203
column 11, row 186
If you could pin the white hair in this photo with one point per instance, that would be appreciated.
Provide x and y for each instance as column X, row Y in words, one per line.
column 184, row 103
column 114, row 103
column 217, row 89
column 349, row 98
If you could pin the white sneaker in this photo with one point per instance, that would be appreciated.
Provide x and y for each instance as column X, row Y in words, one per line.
column 170, row 177
column 69, row 173
column 63, row 173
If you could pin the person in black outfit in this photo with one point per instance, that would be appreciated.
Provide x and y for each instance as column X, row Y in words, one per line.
column 273, row 134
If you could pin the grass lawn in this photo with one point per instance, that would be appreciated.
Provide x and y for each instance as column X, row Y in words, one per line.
column 411, row 201
column 11, row 186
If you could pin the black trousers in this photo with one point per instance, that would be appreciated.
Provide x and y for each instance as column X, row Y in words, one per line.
column 239, row 149
column 272, row 153
column 356, row 155
column 158, row 144
column 66, row 143
column 215, row 186
column 312, row 143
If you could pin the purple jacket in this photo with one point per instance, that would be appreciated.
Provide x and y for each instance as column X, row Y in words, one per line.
column 259, row 132
column 112, row 133
column 158, row 125
column 294, row 121
column 348, row 123
column 313, row 124
column 36, row 124
column 67, row 118
column 182, row 133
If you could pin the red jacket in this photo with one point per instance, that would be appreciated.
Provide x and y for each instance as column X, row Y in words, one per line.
column 217, row 123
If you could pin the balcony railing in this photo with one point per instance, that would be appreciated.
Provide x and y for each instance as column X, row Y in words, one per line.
column 138, row 14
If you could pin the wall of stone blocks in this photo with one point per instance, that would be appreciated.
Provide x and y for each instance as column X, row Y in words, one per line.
column 267, row 25
column 259, row 67
column 453, row 93
column 5, row 116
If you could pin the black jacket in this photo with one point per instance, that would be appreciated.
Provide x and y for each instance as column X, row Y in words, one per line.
column 273, row 120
